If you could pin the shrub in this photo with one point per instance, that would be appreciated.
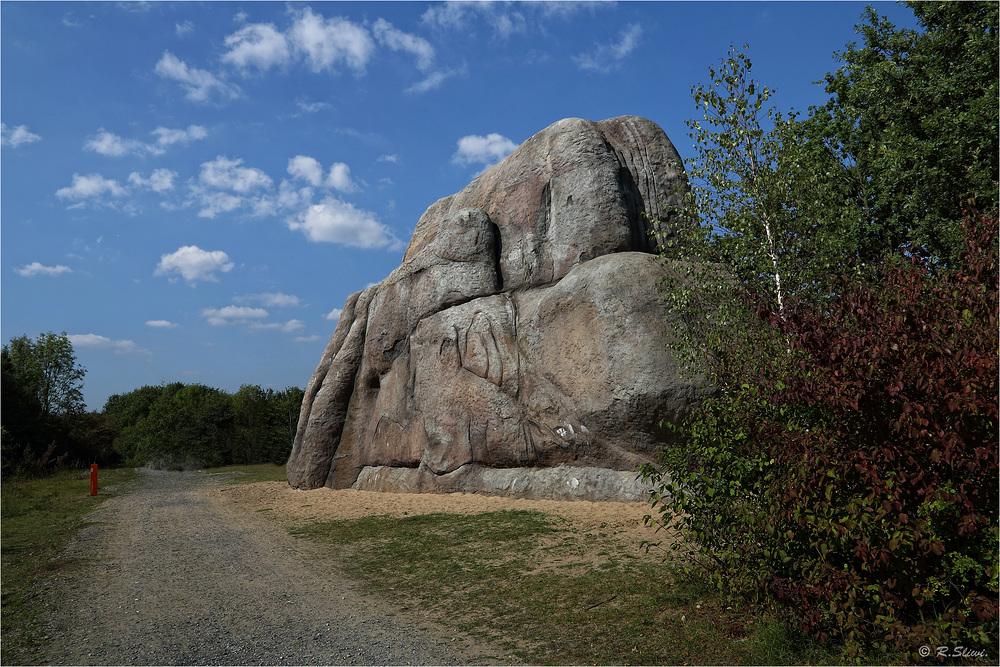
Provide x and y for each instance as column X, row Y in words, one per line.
column 853, row 477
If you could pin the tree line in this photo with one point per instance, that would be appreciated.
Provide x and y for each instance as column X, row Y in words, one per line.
column 45, row 423
column 843, row 306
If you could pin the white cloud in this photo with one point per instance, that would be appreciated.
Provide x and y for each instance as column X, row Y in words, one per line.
column 112, row 145
column 286, row 327
column 184, row 29
column 89, row 187
column 233, row 315
column 194, row 264
column 161, row 324
column 225, row 185
column 310, row 170
column 335, row 314
column 161, row 180
column 270, row 299
column 505, row 18
column 259, row 45
column 200, row 85
column 397, row 40
column 388, row 158
column 307, row 168
column 104, row 343
column 307, row 339
column 606, row 57
column 327, row 42
column 227, row 174
column 336, row 221
column 449, row 15
column 433, row 81
column 288, row 198
column 340, row 178
column 488, row 150
column 312, row 107
column 167, row 137
column 13, row 137
column 420, row 48
column 213, row 203
column 39, row 269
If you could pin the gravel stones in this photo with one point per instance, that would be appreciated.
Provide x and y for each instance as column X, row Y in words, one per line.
column 176, row 578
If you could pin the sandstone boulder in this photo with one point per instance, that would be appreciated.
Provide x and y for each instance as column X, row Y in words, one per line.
column 519, row 348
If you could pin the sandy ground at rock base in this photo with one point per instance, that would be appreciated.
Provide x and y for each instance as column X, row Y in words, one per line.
column 623, row 520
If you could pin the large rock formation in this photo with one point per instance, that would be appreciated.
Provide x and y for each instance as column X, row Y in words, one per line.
column 519, row 347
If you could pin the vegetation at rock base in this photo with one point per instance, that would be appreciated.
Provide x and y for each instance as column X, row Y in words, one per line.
column 844, row 467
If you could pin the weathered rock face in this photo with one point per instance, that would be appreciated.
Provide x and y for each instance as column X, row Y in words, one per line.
column 523, row 331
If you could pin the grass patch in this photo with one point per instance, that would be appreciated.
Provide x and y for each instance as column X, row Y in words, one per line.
column 261, row 472
column 37, row 517
column 549, row 594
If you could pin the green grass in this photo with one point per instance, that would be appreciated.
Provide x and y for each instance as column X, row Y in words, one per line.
column 261, row 472
column 549, row 594
column 37, row 517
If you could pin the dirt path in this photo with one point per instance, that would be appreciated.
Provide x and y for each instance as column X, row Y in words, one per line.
column 179, row 575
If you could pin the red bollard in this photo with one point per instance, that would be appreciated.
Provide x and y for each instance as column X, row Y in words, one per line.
column 93, row 479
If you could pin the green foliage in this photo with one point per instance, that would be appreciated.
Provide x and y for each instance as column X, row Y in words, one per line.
column 265, row 422
column 47, row 368
column 44, row 424
column 911, row 128
column 843, row 309
column 184, row 426
column 853, row 478
column 751, row 190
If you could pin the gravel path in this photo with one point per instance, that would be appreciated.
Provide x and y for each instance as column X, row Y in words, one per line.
column 179, row 578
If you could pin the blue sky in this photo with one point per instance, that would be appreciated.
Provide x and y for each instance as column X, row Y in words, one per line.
column 192, row 190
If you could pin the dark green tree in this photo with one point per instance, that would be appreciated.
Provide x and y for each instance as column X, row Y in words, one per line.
column 42, row 403
column 47, row 368
column 911, row 128
column 178, row 425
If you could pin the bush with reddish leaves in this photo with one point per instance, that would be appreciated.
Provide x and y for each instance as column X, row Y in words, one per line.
column 853, row 476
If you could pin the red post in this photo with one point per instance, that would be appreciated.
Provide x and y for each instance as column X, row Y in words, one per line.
column 93, row 479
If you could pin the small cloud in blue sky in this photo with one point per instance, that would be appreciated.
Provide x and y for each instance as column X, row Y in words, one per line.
column 99, row 342
column 270, row 299
column 92, row 188
column 39, row 269
column 161, row 324
column 161, row 180
column 233, row 315
column 199, row 85
column 607, row 57
column 194, row 264
column 485, row 151
column 12, row 137
column 311, row 107
column 310, row 170
column 336, row 221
